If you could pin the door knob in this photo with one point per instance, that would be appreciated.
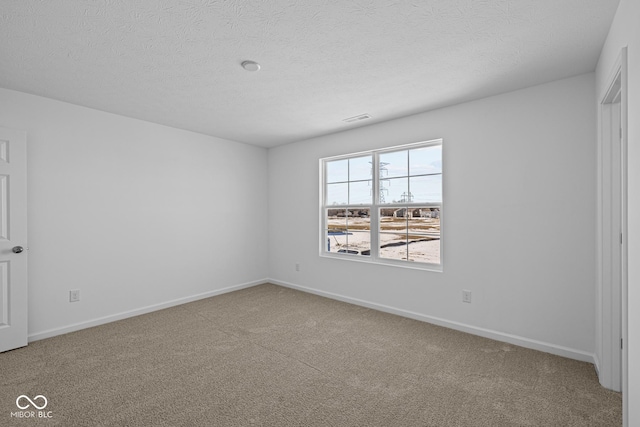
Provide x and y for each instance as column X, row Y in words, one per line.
column 17, row 249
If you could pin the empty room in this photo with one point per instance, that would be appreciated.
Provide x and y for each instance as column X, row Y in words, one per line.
column 319, row 213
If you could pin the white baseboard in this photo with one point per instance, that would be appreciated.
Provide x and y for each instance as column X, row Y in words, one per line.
column 596, row 364
column 486, row 333
column 131, row 313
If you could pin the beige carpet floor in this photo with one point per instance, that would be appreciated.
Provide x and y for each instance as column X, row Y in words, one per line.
column 272, row 356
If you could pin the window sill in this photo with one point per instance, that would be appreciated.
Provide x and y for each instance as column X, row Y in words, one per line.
column 436, row 268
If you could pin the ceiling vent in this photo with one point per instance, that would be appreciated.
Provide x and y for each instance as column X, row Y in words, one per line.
column 357, row 118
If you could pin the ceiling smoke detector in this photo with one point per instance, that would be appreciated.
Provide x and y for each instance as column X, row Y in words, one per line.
column 357, row 118
column 250, row 66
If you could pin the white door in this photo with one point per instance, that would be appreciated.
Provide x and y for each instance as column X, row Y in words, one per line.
column 13, row 239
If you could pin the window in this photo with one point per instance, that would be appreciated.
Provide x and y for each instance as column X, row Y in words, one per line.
column 384, row 206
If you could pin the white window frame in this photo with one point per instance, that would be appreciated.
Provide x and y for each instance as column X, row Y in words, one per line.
column 374, row 209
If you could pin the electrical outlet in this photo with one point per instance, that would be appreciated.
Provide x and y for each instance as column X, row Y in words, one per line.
column 297, row 266
column 74, row 295
column 466, row 296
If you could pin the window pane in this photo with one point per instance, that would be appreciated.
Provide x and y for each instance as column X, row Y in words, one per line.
column 359, row 229
column 337, row 171
column 359, row 243
column 348, row 231
column 336, row 220
column 336, row 233
column 394, row 164
column 424, row 250
column 427, row 160
column 424, row 236
column 337, row 194
column 336, row 241
column 359, row 219
column 360, row 193
column 426, row 188
column 411, row 234
column 393, row 246
column 393, row 233
column 424, row 222
column 395, row 190
column 360, row 168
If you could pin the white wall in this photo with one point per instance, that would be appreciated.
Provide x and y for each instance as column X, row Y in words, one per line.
column 625, row 31
column 131, row 213
column 519, row 218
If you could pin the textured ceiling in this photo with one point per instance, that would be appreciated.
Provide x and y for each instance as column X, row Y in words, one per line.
column 177, row 62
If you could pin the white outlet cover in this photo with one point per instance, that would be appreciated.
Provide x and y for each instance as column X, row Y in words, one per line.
column 466, row 296
column 74, row 296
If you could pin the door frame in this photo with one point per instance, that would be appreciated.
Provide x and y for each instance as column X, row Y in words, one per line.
column 612, row 261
